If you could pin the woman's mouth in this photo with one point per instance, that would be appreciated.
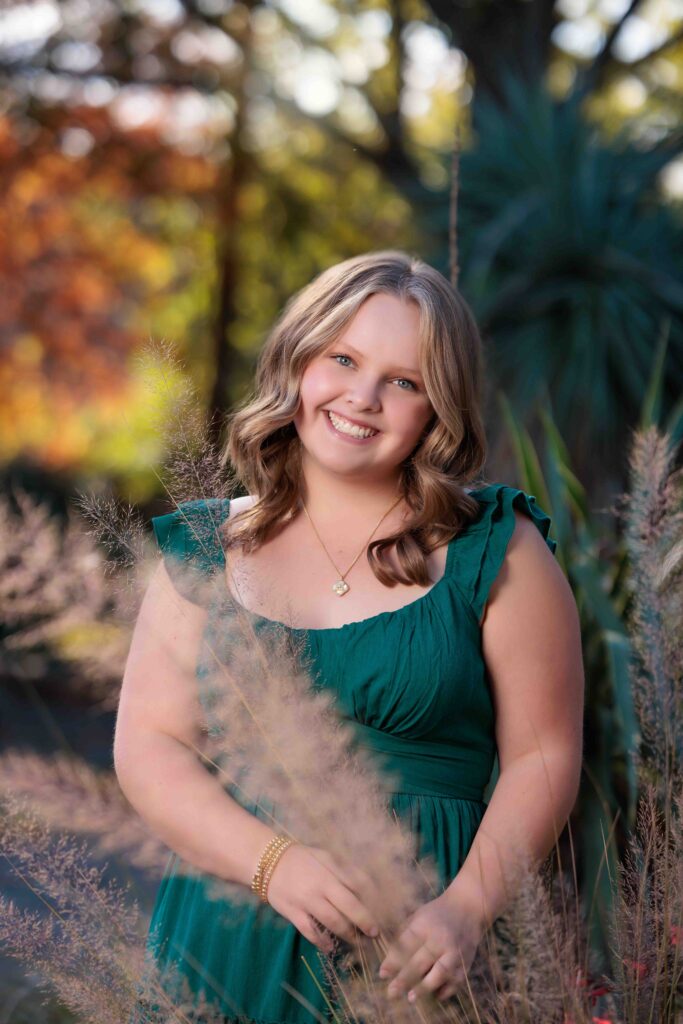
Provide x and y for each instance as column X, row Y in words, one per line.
column 348, row 431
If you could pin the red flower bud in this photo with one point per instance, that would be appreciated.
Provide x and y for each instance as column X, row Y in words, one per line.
column 596, row 991
column 593, row 987
column 640, row 969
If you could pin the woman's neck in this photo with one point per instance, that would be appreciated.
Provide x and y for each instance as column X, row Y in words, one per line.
column 353, row 504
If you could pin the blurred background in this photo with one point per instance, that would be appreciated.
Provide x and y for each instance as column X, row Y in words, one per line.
column 175, row 169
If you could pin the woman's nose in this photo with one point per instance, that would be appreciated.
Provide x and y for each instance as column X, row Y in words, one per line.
column 364, row 396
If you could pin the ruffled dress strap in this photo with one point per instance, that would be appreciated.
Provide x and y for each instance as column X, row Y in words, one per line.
column 190, row 542
column 480, row 550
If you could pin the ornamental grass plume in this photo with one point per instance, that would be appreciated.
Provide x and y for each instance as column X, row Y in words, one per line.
column 647, row 913
column 68, row 794
column 61, row 617
column 652, row 513
column 86, row 947
column 524, row 970
column 268, row 731
column 281, row 744
column 647, row 910
column 189, row 458
column 302, row 747
column 286, row 745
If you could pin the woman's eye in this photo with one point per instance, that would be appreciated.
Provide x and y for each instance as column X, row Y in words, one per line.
column 341, row 355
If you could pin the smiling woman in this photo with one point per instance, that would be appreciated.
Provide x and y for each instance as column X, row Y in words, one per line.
column 334, row 384
column 386, row 343
column 365, row 421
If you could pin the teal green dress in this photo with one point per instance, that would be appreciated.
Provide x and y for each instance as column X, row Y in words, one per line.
column 414, row 683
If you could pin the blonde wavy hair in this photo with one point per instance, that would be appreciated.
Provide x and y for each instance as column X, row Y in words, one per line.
column 262, row 443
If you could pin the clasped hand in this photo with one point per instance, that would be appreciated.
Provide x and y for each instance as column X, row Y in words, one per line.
column 433, row 950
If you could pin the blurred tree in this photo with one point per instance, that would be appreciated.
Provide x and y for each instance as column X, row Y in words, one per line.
column 313, row 131
column 572, row 261
column 162, row 116
column 571, row 254
column 75, row 272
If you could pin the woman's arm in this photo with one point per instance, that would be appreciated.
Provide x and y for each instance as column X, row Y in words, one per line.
column 156, row 755
column 158, row 734
column 531, row 642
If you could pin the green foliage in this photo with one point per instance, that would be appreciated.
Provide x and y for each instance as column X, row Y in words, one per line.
column 594, row 560
column 610, row 724
column 571, row 259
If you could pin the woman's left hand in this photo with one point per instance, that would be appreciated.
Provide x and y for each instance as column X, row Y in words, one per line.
column 433, row 950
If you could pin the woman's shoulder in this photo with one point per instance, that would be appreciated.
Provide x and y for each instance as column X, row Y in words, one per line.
column 242, row 503
column 501, row 501
column 193, row 511
column 482, row 547
column 190, row 531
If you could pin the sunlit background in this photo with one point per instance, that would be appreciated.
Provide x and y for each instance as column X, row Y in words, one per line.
column 177, row 169
column 172, row 171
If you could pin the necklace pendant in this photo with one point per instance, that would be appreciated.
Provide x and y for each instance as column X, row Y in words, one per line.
column 340, row 587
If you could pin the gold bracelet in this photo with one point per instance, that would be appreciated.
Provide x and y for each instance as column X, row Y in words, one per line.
column 266, row 857
column 256, row 880
column 266, row 865
column 268, row 861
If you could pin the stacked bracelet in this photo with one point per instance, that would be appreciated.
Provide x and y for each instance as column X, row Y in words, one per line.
column 266, row 865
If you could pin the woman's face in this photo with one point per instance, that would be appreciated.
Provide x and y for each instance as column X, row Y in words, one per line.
column 369, row 376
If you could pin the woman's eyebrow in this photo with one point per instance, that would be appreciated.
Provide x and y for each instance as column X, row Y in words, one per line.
column 405, row 369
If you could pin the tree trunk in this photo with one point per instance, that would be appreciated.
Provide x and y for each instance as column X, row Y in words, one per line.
column 234, row 172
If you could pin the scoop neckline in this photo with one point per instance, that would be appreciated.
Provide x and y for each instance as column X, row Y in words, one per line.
column 356, row 622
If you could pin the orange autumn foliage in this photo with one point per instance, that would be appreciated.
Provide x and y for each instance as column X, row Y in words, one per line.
column 80, row 269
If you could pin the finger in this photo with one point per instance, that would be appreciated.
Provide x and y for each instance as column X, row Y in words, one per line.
column 444, row 974
column 441, row 991
column 309, row 929
column 360, row 882
column 405, row 942
column 400, row 951
column 347, row 903
column 331, row 917
column 446, row 991
column 347, row 872
column 412, row 972
column 356, row 880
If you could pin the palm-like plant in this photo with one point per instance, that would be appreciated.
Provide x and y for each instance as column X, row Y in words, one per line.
column 571, row 261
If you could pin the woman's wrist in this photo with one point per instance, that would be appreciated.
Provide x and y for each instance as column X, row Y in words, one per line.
column 257, row 842
column 467, row 899
column 267, row 863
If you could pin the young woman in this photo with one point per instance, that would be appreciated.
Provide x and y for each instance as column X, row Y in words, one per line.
column 428, row 599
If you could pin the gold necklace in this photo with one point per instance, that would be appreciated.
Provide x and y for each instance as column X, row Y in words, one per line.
column 341, row 587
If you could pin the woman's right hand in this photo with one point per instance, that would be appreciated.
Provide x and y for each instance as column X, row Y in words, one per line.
column 309, row 883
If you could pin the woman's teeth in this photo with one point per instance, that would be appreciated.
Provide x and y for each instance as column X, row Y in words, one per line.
column 350, row 428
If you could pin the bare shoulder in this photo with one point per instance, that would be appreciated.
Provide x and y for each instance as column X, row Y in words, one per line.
column 524, row 529
column 530, row 577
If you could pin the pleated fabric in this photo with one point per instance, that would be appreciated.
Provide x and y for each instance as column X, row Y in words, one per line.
column 414, row 686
